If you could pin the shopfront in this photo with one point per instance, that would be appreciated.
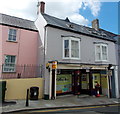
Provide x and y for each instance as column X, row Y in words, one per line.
column 80, row 81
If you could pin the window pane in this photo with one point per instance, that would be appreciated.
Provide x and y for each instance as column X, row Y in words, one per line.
column 66, row 48
column 74, row 49
column 14, row 32
column 66, row 52
column 66, row 44
column 14, row 38
column 10, row 31
column 12, row 59
column 98, row 53
column 104, row 52
column 9, row 65
column 12, row 35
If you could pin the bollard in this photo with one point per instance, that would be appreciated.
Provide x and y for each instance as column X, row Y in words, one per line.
column 27, row 99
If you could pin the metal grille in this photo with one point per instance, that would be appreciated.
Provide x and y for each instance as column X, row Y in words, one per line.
column 21, row 71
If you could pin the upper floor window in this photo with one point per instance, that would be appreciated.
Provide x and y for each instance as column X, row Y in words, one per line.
column 12, row 35
column 9, row 64
column 71, row 48
column 101, row 52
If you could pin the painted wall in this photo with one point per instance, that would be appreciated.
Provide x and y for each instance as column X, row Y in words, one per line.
column 0, row 50
column 17, row 88
column 87, row 48
column 25, row 48
column 40, row 24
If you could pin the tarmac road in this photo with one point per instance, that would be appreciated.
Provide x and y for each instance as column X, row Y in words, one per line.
column 104, row 109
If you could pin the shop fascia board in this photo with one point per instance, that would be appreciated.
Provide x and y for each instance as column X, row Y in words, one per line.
column 78, row 66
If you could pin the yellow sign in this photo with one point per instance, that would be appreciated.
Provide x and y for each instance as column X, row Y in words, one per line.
column 47, row 65
column 54, row 65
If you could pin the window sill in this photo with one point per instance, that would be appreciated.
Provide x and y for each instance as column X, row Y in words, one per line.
column 11, row 41
column 71, row 58
column 101, row 61
column 8, row 72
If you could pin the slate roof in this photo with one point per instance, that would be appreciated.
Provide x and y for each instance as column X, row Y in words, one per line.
column 17, row 22
column 67, row 25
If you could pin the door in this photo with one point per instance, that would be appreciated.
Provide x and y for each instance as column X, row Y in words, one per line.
column 96, row 79
column 76, row 82
column 85, row 83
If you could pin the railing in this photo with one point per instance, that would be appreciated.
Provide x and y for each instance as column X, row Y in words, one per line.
column 8, row 67
column 20, row 71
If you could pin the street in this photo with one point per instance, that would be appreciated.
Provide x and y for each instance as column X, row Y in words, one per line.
column 104, row 109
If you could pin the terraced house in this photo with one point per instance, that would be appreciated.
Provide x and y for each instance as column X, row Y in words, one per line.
column 85, row 56
column 74, row 58
column 18, row 41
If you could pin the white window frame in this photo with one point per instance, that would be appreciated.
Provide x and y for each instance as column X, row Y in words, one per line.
column 70, row 39
column 12, row 35
column 101, row 53
column 10, row 66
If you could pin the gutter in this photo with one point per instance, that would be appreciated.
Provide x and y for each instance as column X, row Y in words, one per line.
column 35, row 30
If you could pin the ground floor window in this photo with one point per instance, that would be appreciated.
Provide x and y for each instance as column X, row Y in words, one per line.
column 9, row 64
column 80, row 81
column 63, row 83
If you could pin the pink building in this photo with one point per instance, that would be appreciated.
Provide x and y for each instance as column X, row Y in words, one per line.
column 18, row 47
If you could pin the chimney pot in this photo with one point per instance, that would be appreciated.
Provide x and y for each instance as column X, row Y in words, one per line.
column 95, row 24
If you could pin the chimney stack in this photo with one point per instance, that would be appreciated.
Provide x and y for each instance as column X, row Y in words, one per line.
column 95, row 24
column 41, row 7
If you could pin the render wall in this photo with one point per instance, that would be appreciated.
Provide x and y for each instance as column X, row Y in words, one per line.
column 0, row 50
column 17, row 88
column 87, row 47
column 25, row 48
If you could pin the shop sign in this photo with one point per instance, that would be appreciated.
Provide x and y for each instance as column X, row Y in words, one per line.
column 54, row 65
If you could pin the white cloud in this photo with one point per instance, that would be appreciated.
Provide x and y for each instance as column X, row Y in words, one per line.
column 62, row 9
column 70, row 8
column 79, row 19
column 94, row 5
column 19, row 8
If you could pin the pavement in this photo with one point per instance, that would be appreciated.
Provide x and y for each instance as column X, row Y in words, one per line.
column 61, row 101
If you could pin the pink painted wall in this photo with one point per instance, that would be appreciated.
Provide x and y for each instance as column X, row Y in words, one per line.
column 25, row 48
column 28, row 47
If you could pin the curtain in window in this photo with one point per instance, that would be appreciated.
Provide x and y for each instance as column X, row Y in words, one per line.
column 74, row 49
column 104, row 52
column 98, row 52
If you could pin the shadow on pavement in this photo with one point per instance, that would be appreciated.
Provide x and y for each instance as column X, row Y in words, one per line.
column 5, row 103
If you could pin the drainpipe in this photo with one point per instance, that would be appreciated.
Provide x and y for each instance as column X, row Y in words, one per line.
column 44, row 51
column 116, row 81
column 44, row 57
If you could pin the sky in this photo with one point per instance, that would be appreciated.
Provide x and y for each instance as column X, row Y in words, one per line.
column 80, row 11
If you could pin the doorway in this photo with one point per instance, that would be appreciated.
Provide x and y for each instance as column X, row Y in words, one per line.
column 81, row 82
